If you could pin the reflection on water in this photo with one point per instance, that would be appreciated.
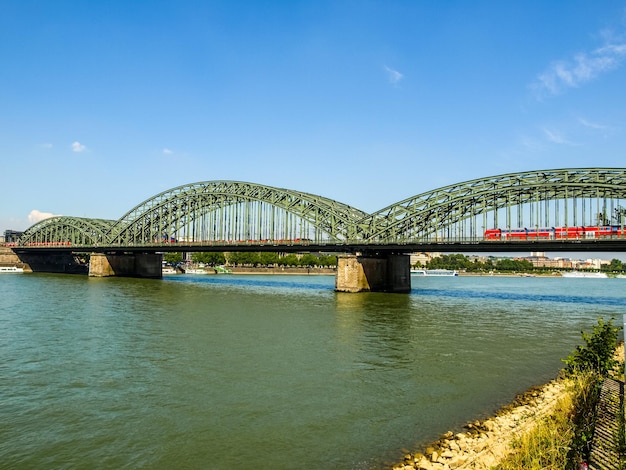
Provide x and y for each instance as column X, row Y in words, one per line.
column 269, row 372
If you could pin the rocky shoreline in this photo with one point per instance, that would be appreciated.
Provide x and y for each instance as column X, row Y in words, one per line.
column 484, row 444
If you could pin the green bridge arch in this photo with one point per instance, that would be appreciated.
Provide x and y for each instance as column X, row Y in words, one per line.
column 68, row 230
column 236, row 213
column 543, row 198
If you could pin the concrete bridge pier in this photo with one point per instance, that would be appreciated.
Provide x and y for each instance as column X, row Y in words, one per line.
column 43, row 262
column 147, row 265
column 373, row 273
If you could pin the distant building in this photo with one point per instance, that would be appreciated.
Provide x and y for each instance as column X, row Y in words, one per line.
column 422, row 258
column 540, row 260
column 12, row 236
column 591, row 263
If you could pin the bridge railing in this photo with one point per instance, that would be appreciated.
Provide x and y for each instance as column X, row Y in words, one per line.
column 328, row 245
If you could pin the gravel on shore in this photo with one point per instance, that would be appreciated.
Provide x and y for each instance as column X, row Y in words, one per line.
column 485, row 443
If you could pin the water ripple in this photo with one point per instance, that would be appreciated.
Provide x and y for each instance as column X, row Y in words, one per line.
column 523, row 297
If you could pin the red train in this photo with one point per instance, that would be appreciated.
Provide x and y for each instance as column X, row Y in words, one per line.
column 556, row 233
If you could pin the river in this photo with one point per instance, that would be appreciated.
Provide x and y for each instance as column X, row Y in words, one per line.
column 270, row 372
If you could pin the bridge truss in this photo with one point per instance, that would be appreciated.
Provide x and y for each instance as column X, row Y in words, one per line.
column 530, row 200
column 230, row 215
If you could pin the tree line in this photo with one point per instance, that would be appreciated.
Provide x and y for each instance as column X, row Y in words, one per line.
column 461, row 262
column 255, row 259
column 457, row 262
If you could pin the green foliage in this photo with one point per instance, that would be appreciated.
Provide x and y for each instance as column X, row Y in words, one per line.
column 462, row 262
column 265, row 258
column 545, row 446
column 597, row 355
column 172, row 258
column 268, row 258
column 589, row 364
column 329, row 260
column 585, row 400
column 616, row 265
column 244, row 258
column 514, row 265
column 455, row 261
column 563, row 440
column 289, row 260
column 210, row 258
column 309, row 260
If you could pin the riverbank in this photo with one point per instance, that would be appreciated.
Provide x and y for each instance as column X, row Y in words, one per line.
column 484, row 444
column 304, row 271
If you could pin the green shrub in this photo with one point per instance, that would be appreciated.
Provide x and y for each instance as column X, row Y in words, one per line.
column 598, row 355
column 562, row 440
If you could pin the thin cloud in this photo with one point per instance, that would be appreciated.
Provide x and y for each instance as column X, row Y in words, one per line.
column 592, row 125
column 167, row 151
column 46, row 146
column 531, row 144
column 37, row 216
column 582, row 68
column 556, row 137
column 78, row 147
column 393, row 75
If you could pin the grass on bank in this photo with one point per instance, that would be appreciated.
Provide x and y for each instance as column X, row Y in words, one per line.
column 562, row 439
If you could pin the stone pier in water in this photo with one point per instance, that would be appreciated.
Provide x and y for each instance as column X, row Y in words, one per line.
column 148, row 265
column 373, row 273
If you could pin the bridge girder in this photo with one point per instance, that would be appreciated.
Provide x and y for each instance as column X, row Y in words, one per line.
column 258, row 212
column 236, row 211
column 421, row 216
column 70, row 230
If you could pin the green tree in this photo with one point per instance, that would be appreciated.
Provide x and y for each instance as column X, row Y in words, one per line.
column 514, row 265
column 454, row 261
column 268, row 258
column 328, row 260
column 289, row 260
column 309, row 260
column 243, row 258
column 616, row 265
column 249, row 258
column 210, row 258
column 172, row 258
column 598, row 353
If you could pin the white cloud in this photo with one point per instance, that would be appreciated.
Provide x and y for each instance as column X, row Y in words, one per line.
column 592, row 125
column 37, row 216
column 530, row 143
column 78, row 147
column 582, row 68
column 393, row 75
column 556, row 137
column 167, row 151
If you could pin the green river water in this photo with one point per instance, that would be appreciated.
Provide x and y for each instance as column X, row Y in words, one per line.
column 269, row 372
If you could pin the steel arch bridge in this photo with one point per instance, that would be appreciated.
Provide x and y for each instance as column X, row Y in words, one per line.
column 230, row 216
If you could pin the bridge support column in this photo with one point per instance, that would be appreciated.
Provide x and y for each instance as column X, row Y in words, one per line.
column 373, row 273
column 147, row 265
column 49, row 262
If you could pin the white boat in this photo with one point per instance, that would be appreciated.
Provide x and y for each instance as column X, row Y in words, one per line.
column 11, row 269
column 434, row 272
column 591, row 275
column 194, row 271
column 168, row 270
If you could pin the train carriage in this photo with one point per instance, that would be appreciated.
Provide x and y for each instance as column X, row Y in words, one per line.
column 555, row 233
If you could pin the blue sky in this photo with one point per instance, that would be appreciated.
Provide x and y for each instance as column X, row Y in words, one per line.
column 105, row 104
